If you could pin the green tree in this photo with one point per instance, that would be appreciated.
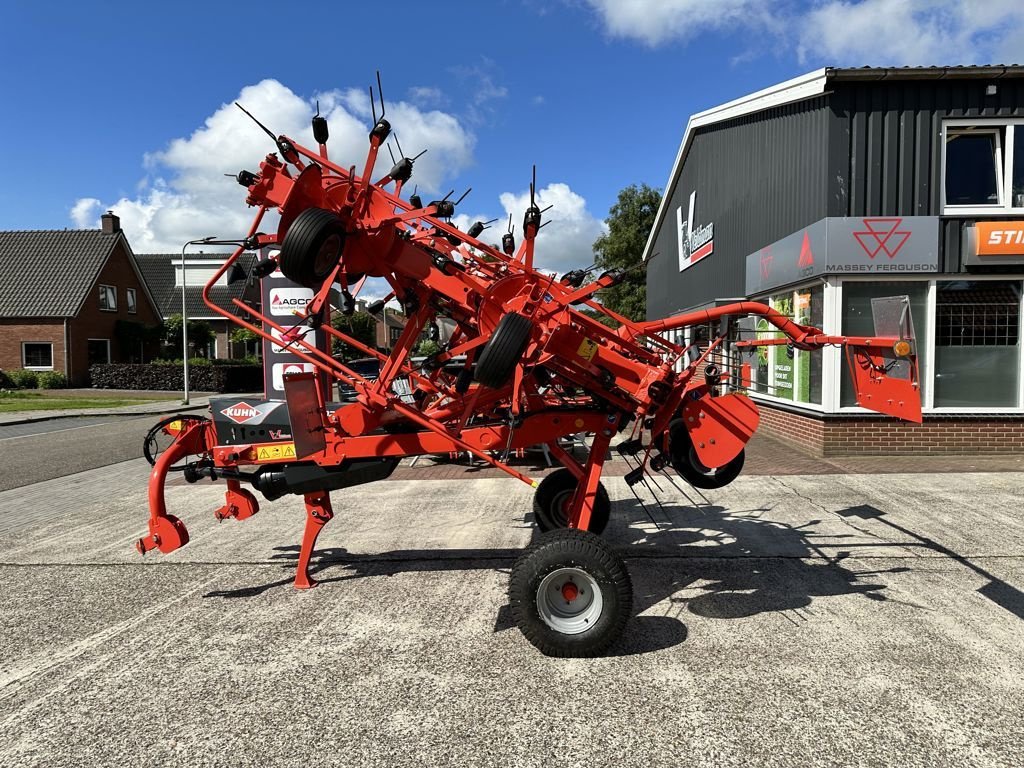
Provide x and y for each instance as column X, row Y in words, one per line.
column 200, row 334
column 629, row 223
column 361, row 326
column 427, row 347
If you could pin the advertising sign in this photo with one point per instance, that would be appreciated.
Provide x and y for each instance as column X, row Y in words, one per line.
column 994, row 242
column 695, row 241
column 889, row 246
column 282, row 299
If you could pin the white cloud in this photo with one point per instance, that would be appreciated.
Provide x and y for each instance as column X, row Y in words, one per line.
column 655, row 22
column 835, row 32
column 185, row 194
column 913, row 32
column 85, row 212
column 567, row 242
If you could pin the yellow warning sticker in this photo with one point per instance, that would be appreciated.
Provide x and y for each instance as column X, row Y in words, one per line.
column 174, row 427
column 274, row 451
column 587, row 349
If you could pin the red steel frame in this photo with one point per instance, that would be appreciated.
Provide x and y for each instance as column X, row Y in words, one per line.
column 598, row 379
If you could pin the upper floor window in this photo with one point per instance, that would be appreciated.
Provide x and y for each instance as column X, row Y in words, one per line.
column 983, row 166
column 130, row 294
column 108, row 298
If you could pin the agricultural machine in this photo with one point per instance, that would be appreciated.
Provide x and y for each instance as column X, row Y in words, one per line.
column 531, row 359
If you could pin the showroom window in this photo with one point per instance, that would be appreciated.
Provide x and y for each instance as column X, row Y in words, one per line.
column 983, row 166
column 37, row 355
column 977, row 343
column 781, row 371
column 857, row 320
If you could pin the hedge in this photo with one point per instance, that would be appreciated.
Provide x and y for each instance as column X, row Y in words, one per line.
column 201, row 378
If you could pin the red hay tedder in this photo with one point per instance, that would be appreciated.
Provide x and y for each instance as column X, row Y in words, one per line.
column 526, row 364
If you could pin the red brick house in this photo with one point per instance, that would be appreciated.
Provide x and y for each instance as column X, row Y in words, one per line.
column 62, row 293
column 163, row 274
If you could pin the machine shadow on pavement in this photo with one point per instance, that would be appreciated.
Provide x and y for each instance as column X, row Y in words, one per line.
column 705, row 559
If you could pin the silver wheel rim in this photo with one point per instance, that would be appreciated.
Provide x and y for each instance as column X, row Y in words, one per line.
column 569, row 601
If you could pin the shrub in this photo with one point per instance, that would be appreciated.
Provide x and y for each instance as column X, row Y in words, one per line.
column 53, row 380
column 166, row 375
column 23, row 379
column 5, row 381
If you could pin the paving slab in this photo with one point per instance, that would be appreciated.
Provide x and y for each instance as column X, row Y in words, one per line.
column 796, row 620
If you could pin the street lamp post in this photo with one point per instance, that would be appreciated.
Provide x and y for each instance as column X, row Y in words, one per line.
column 184, row 312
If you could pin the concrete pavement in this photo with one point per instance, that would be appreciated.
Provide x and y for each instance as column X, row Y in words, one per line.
column 784, row 620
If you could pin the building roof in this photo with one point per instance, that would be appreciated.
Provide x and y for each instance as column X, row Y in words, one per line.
column 49, row 273
column 805, row 87
column 158, row 270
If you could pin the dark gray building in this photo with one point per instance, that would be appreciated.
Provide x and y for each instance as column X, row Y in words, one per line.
column 823, row 192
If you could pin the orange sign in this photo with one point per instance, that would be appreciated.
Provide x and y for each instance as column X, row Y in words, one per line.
column 1000, row 238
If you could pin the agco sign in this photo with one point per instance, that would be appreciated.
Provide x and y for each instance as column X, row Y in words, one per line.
column 288, row 301
column 695, row 242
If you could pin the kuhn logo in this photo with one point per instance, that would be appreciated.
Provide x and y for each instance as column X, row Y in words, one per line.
column 240, row 413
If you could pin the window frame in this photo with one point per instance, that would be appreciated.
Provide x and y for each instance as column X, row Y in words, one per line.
column 1005, row 150
column 105, row 341
column 37, row 367
column 113, row 290
column 131, row 301
column 927, row 339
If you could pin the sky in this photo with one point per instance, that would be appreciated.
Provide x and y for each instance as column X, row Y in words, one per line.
column 129, row 106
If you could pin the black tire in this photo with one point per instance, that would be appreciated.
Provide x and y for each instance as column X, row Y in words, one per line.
column 503, row 352
column 312, row 247
column 553, row 495
column 684, row 460
column 543, row 570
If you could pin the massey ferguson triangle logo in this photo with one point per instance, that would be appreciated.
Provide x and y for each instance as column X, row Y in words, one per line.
column 766, row 263
column 882, row 235
column 241, row 412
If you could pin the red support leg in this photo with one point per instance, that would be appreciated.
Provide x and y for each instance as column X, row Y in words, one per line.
column 166, row 532
column 318, row 514
column 586, row 491
column 239, row 503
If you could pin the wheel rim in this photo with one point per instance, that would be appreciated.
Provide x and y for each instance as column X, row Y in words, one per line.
column 327, row 255
column 560, row 508
column 569, row 601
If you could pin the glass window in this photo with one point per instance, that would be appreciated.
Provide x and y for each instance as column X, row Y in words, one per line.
column 36, row 355
column 977, row 343
column 108, row 298
column 98, row 351
column 786, row 373
column 858, row 321
column 809, row 306
column 131, row 300
column 972, row 167
column 1017, row 194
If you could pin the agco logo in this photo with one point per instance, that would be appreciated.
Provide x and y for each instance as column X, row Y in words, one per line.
column 287, row 301
column 240, row 413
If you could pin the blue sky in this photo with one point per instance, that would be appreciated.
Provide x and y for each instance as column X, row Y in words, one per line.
column 123, row 105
